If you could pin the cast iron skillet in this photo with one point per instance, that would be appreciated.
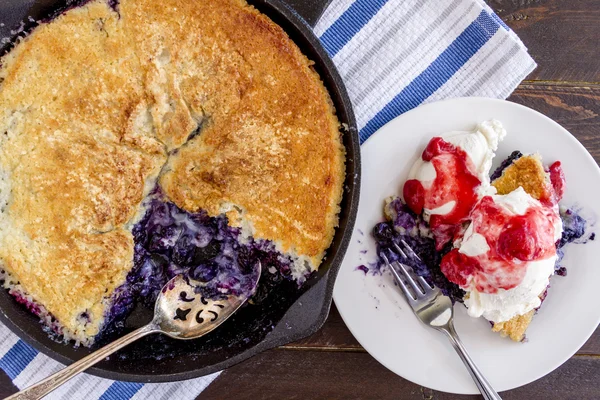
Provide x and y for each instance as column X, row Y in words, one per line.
column 276, row 318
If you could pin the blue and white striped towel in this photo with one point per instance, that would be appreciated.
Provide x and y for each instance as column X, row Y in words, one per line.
column 396, row 54
column 393, row 56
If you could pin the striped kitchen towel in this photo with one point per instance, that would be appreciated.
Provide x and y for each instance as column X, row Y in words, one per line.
column 25, row 366
column 393, row 56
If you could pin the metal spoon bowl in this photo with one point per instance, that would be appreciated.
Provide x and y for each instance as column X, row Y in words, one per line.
column 179, row 312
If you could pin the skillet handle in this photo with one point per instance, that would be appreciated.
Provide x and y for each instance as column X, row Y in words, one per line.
column 309, row 10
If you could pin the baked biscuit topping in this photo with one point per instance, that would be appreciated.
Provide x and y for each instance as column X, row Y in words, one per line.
column 95, row 104
column 269, row 153
column 526, row 172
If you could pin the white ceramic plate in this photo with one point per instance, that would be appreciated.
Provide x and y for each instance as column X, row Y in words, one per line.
column 374, row 309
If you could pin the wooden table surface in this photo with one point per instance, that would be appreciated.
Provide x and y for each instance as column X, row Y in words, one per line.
column 563, row 36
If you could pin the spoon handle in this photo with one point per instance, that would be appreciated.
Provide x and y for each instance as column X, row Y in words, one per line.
column 47, row 385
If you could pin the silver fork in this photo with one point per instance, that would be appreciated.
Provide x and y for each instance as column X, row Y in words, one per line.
column 434, row 310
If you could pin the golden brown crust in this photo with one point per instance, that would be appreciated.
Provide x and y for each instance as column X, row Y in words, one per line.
column 515, row 327
column 270, row 143
column 75, row 154
column 91, row 103
column 526, row 172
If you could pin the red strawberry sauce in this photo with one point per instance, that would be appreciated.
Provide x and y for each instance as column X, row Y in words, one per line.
column 557, row 178
column 514, row 240
column 455, row 180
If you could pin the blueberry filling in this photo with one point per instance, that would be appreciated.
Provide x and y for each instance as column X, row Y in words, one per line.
column 574, row 231
column 171, row 241
column 363, row 268
column 573, row 227
column 403, row 227
column 406, row 225
column 515, row 155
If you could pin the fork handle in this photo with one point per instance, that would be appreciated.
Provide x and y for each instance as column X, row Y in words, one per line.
column 483, row 385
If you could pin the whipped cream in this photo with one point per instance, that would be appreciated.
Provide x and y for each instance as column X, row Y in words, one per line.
column 505, row 304
column 480, row 146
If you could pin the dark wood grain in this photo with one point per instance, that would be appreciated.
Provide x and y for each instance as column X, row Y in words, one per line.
column 332, row 364
column 561, row 35
column 335, row 336
column 285, row 374
column 575, row 107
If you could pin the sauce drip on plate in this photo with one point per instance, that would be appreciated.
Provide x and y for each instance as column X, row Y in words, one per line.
column 557, row 178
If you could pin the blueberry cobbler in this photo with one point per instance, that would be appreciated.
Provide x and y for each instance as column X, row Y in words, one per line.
column 139, row 141
column 491, row 243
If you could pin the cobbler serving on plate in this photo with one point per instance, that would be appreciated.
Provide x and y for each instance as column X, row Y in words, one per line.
column 490, row 242
column 138, row 142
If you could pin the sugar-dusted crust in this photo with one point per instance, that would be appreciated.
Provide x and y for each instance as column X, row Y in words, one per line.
column 76, row 155
column 526, row 172
column 269, row 151
column 515, row 327
column 93, row 104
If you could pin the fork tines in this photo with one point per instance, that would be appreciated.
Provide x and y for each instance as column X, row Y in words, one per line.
column 413, row 286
